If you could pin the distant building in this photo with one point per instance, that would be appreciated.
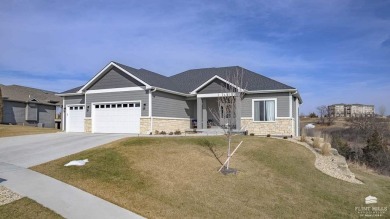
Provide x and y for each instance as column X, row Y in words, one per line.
column 351, row 110
column 29, row 106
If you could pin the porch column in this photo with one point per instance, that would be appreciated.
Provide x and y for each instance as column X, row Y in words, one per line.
column 238, row 113
column 204, row 114
column 199, row 116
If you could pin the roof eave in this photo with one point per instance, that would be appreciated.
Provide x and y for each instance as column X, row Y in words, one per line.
column 172, row 92
column 69, row 94
column 270, row 91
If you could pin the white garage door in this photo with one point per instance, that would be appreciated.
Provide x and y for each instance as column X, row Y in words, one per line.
column 116, row 117
column 75, row 118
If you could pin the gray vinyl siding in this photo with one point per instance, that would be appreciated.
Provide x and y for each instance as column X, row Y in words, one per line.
column 31, row 112
column 294, row 108
column 46, row 115
column 74, row 100
column 14, row 112
column 283, row 103
column 143, row 96
column 216, row 86
column 212, row 106
column 170, row 105
column 115, row 78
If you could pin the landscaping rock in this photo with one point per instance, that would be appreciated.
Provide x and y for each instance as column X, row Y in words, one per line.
column 8, row 196
column 334, row 152
column 335, row 165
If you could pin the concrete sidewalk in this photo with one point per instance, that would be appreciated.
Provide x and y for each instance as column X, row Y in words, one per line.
column 66, row 200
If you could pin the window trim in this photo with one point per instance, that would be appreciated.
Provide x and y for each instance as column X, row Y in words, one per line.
column 264, row 99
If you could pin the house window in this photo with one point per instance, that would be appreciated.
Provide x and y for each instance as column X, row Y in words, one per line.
column 97, row 106
column 264, row 110
column 137, row 105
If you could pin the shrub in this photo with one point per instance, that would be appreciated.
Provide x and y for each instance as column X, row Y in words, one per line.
column 156, row 132
column 327, row 138
column 285, row 137
column 252, row 134
column 325, row 150
column 163, row 133
column 177, row 132
column 170, row 133
column 316, row 142
column 268, row 135
column 303, row 135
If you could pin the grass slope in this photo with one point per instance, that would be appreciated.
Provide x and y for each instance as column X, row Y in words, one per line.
column 16, row 130
column 177, row 177
column 26, row 208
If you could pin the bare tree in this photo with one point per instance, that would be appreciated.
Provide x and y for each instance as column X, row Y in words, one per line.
column 228, row 114
column 330, row 117
column 382, row 110
column 322, row 112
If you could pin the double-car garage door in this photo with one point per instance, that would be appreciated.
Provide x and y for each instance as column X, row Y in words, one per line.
column 123, row 117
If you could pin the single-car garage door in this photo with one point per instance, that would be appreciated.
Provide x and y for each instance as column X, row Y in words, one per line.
column 75, row 118
column 121, row 117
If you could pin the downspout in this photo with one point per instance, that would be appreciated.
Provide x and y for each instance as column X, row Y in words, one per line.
column 151, row 108
column 63, row 114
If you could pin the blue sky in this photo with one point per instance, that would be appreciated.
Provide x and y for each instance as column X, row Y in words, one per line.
column 331, row 50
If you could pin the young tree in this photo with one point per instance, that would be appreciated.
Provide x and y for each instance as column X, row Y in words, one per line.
column 228, row 113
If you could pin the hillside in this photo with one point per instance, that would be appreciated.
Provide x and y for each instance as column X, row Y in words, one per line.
column 177, row 177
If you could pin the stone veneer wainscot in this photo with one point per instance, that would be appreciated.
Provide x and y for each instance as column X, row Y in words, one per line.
column 280, row 126
column 164, row 124
column 88, row 125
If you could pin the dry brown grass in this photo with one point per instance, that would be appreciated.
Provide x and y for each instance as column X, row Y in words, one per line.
column 26, row 208
column 177, row 178
column 303, row 135
column 16, row 130
column 317, row 142
column 325, row 149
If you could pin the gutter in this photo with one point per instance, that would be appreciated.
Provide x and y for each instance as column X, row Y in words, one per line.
column 270, row 91
column 69, row 94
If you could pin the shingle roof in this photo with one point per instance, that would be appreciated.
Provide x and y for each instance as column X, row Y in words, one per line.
column 191, row 79
column 151, row 78
column 73, row 90
column 24, row 94
column 188, row 81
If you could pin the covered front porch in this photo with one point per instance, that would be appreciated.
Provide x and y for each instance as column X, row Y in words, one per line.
column 212, row 113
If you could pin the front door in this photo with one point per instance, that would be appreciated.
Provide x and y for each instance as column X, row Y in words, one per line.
column 227, row 115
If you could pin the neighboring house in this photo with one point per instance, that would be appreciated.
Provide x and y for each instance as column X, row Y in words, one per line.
column 29, row 106
column 351, row 110
column 121, row 99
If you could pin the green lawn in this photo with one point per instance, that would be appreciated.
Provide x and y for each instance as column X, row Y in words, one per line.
column 16, row 130
column 26, row 208
column 177, row 177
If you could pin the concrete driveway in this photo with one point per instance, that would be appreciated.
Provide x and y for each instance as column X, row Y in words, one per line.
column 18, row 153
column 31, row 150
